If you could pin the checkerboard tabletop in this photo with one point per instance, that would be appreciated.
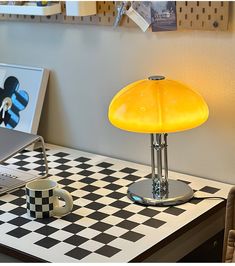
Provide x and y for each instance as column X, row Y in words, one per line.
column 104, row 225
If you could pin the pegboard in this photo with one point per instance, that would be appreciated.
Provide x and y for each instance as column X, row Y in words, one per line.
column 199, row 15
column 106, row 13
column 202, row 15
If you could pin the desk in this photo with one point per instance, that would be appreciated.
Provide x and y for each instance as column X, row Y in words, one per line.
column 105, row 226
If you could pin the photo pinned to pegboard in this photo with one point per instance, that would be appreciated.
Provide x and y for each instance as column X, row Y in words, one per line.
column 179, row 15
column 163, row 16
column 158, row 16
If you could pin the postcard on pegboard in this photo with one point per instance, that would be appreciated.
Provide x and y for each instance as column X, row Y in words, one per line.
column 163, row 14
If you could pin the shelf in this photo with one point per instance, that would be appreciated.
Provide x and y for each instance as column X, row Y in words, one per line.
column 31, row 9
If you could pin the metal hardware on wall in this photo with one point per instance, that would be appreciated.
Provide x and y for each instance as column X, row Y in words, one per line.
column 192, row 15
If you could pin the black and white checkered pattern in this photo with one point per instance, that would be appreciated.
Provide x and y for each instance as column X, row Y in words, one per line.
column 39, row 203
column 104, row 226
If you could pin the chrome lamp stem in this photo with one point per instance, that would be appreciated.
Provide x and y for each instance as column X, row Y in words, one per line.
column 160, row 182
column 159, row 190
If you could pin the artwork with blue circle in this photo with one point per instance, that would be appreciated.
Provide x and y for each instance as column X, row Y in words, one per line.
column 13, row 100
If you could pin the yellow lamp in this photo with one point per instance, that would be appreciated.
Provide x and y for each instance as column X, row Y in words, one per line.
column 158, row 106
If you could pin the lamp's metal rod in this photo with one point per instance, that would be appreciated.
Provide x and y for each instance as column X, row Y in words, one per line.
column 152, row 157
column 159, row 157
column 165, row 157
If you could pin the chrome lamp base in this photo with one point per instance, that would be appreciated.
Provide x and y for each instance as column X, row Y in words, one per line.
column 159, row 191
column 142, row 192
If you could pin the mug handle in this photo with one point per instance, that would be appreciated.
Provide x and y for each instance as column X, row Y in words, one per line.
column 59, row 211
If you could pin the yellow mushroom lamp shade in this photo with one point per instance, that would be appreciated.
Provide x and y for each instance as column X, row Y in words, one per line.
column 158, row 106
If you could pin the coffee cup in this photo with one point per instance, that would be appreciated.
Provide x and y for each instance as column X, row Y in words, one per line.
column 42, row 199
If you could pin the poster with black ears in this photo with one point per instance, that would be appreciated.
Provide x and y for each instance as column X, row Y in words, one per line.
column 22, row 91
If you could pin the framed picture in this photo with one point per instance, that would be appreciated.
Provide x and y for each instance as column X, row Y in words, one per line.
column 163, row 15
column 22, row 91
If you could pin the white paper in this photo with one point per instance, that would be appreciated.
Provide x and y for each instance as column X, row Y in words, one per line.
column 137, row 18
column 140, row 13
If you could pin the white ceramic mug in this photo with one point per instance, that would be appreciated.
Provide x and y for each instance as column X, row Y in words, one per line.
column 42, row 199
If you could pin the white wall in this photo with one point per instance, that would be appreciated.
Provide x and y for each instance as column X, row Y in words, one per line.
column 89, row 64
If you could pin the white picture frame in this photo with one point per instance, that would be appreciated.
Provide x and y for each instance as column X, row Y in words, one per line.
column 22, row 92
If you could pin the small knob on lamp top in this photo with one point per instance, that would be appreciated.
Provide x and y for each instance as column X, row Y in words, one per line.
column 156, row 77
